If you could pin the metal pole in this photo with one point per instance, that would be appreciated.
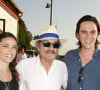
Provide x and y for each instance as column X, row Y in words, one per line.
column 51, row 13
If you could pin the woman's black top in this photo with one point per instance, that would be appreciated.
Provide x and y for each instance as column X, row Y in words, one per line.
column 13, row 84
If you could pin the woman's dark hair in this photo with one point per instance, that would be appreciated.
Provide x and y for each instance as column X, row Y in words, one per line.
column 12, row 64
column 87, row 18
column 7, row 34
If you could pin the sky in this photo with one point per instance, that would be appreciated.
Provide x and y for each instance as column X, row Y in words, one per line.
column 65, row 15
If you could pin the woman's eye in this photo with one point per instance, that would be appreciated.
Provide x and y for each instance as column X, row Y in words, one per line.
column 15, row 47
column 5, row 46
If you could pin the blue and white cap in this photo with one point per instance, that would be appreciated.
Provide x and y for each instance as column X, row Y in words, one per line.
column 49, row 32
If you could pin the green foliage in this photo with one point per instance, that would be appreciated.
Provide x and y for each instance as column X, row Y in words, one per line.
column 24, row 36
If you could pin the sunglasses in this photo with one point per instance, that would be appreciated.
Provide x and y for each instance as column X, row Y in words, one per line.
column 48, row 44
column 80, row 74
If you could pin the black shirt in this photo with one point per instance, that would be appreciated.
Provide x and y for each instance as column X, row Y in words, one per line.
column 13, row 84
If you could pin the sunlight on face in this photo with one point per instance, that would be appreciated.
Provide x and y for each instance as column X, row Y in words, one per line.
column 8, row 47
column 48, row 53
column 88, row 34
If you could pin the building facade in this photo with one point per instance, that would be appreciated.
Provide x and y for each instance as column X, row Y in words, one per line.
column 9, row 16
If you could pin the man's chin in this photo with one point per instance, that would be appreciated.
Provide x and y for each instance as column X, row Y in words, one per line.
column 88, row 47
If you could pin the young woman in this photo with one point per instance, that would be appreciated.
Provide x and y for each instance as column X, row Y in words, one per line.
column 8, row 74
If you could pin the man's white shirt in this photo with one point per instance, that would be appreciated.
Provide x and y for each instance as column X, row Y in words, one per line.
column 34, row 77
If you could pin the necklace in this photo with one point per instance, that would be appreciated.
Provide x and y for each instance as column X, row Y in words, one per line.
column 6, row 80
column 7, row 85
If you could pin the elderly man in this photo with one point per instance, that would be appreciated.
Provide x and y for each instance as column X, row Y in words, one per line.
column 44, row 72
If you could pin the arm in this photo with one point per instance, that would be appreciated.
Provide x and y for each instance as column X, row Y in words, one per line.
column 22, row 83
column 65, row 78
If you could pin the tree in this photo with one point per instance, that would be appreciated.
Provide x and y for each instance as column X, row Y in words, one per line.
column 24, row 36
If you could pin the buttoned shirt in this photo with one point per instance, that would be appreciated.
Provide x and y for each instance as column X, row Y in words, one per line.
column 34, row 77
column 90, row 78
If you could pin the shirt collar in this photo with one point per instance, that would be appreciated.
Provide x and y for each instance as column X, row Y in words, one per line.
column 95, row 52
column 38, row 60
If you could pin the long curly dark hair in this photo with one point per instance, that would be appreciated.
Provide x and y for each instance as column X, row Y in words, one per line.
column 13, row 63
